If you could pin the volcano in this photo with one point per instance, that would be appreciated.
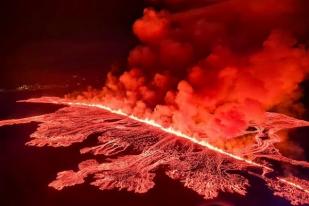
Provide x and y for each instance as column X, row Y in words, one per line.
column 207, row 96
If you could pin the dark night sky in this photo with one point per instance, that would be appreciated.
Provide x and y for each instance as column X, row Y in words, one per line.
column 62, row 38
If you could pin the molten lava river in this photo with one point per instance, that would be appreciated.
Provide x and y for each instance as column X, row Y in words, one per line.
column 135, row 149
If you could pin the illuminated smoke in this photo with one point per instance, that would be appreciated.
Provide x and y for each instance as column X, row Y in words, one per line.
column 211, row 70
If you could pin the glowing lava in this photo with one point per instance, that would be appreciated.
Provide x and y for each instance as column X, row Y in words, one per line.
column 137, row 147
column 169, row 130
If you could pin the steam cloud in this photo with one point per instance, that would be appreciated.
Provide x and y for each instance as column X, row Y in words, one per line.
column 212, row 70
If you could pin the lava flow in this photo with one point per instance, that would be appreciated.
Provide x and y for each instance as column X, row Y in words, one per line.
column 136, row 148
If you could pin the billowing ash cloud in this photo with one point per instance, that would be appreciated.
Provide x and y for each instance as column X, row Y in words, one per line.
column 212, row 70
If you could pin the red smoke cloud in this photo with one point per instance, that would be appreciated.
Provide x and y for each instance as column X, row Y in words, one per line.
column 211, row 70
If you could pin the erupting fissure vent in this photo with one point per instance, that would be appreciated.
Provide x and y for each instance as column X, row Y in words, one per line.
column 136, row 148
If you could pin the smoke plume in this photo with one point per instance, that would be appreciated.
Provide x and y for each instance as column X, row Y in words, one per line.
column 211, row 69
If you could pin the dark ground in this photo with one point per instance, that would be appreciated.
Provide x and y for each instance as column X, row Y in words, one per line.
column 71, row 44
